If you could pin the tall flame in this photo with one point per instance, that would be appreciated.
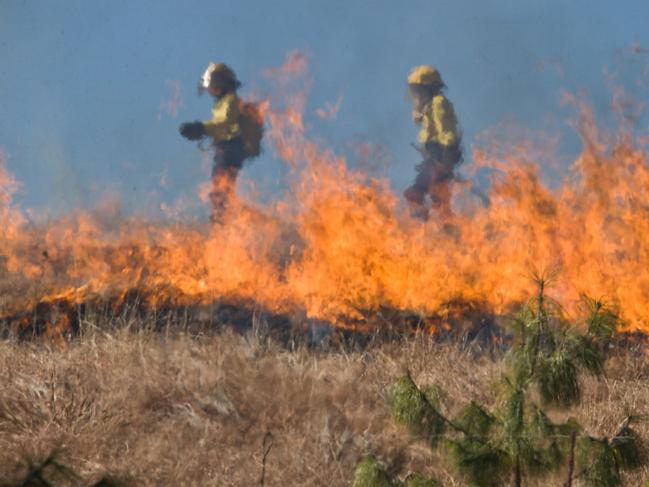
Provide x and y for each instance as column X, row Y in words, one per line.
column 341, row 243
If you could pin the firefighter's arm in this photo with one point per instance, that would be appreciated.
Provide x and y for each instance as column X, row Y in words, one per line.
column 445, row 121
column 225, row 115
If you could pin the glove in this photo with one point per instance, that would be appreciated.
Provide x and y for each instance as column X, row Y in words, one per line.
column 192, row 130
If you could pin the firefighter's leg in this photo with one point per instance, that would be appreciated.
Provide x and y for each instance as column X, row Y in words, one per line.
column 416, row 193
column 223, row 181
column 442, row 180
column 228, row 160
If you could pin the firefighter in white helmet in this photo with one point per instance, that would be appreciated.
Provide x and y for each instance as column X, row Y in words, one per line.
column 235, row 129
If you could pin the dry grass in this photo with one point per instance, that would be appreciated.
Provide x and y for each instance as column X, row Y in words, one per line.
column 181, row 410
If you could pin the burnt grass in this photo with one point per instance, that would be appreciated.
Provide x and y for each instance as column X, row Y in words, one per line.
column 230, row 394
column 61, row 318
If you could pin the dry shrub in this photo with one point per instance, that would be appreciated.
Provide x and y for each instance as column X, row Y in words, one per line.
column 183, row 410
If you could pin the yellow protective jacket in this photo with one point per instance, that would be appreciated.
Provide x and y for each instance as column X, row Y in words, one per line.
column 438, row 123
column 224, row 124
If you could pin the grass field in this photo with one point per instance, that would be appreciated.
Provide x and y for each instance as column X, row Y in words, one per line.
column 151, row 408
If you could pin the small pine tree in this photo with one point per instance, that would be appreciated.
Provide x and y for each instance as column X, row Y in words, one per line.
column 419, row 480
column 518, row 440
column 369, row 473
column 51, row 472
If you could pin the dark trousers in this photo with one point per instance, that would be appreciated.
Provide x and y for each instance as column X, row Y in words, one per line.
column 433, row 176
column 228, row 160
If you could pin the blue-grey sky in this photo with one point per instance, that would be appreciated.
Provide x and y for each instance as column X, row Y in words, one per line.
column 82, row 82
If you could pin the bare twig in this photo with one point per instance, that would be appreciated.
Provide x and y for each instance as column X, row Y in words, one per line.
column 571, row 459
column 266, row 446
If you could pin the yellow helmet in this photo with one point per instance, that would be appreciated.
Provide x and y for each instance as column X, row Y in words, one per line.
column 424, row 75
column 219, row 75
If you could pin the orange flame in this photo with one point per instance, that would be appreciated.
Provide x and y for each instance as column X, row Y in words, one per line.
column 341, row 244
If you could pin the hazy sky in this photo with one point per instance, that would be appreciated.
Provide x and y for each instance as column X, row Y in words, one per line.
column 83, row 83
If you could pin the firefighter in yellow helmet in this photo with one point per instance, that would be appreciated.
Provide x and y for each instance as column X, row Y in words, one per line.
column 236, row 129
column 439, row 142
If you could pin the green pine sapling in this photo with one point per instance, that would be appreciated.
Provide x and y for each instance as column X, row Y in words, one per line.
column 517, row 440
